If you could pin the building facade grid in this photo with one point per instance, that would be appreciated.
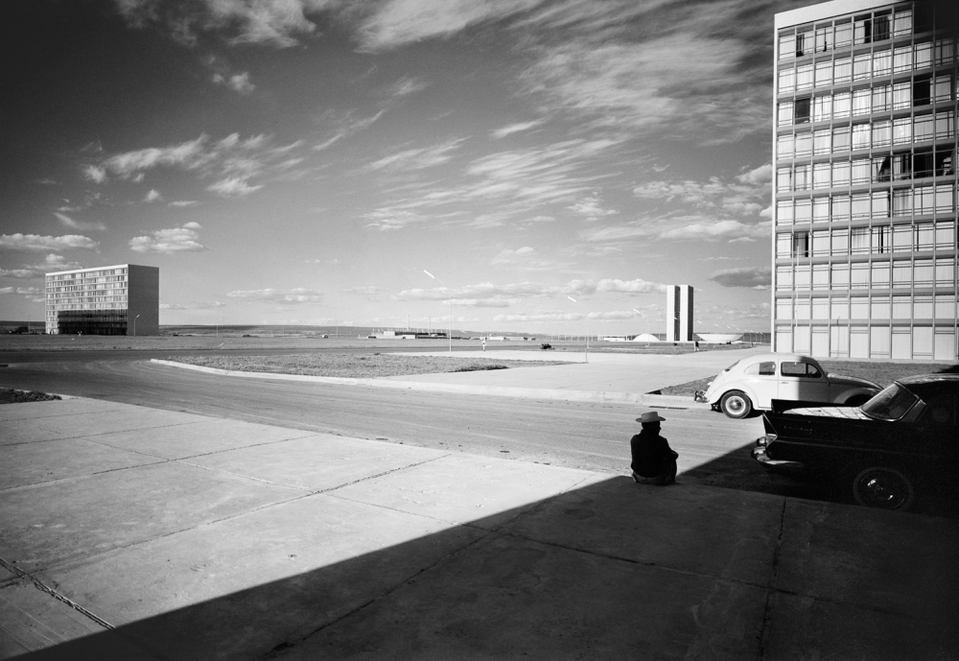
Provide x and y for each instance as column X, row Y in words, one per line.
column 112, row 300
column 864, row 147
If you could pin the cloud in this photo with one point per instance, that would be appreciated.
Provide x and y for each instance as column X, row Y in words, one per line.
column 417, row 159
column 233, row 187
column 751, row 278
column 630, row 287
column 153, row 196
column 239, row 83
column 408, row 85
column 276, row 23
column 396, row 23
column 37, row 243
column 199, row 305
column 591, row 207
column 180, row 204
column 293, row 296
column 519, row 127
column 78, row 225
column 20, row 274
column 345, row 126
column 94, row 173
column 179, row 239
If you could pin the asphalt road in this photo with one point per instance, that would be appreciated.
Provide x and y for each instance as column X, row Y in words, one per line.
column 714, row 450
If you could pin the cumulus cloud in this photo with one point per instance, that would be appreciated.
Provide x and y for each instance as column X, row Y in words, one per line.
column 168, row 241
column 239, row 83
column 153, row 196
column 750, row 278
column 37, row 243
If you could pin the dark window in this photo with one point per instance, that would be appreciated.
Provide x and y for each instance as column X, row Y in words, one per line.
column 801, row 109
column 940, row 412
column 945, row 162
column 922, row 164
column 880, row 28
column 921, row 91
column 801, row 244
column 800, row 369
column 767, row 368
column 800, row 44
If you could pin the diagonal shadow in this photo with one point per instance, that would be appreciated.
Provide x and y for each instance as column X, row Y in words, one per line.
column 607, row 570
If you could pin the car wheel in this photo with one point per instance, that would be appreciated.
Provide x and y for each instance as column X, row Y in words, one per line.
column 736, row 404
column 884, row 488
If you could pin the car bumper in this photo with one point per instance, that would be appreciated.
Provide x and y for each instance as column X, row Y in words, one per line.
column 777, row 465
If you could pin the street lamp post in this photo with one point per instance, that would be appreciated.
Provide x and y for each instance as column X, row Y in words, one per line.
column 450, row 296
column 135, row 325
column 587, row 328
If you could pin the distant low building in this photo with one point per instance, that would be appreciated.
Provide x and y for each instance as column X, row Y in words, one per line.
column 110, row 300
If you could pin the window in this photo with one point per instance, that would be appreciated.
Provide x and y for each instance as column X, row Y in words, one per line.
column 787, row 45
column 803, row 144
column 944, row 124
column 880, row 27
column 840, row 173
column 861, row 171
column 923, row 273
column 881, row 98
column 842, row 105
column 860, row 136
column 925, row 240
column 804, row 77
column 800, row 244
column 922, row 55
column 902, row 58
column 902, row 23
column 880, row 277
column 923, row 128
column 862, row 66
column 784, row 278
column 842, row 138
column 787, row 80
column 822, row 141
column 820, row 276
column 945, row 272
column 921, row 91
column 839, row 309
column 946, row 235
column 824, row 40
column 842, row 70
column 840, row 242
column 784, row 212
column 902, row 204
column 902, row 274
column 859, row 241
column 945, row 161
column 822, row 108
column 820, row 244
column 801, row 110
column 805, row 370
column 942, row 88
column 945, row 50
column 902, row 131
column 862, row 101
column 801, row 178
column 824, row 73
column 880, row 240
column 843, row 34
column 820, row 208
column 786, row 145
column 882, row 63
column 803, row 43
column 783, row 245
column 784, row 114
column 901, row 95
column 763, row 369
column 783, row 179
column 945, row 199
column 882, row 133
column 821, row 175
column 922, row 164
column 802, row 212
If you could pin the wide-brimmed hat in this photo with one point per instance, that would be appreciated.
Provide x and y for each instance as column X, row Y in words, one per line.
column 650, row 416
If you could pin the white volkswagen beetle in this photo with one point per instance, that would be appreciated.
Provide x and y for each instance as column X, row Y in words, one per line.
column 752, row 383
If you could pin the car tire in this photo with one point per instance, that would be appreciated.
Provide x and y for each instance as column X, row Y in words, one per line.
column 735, row 404
column 883, row 488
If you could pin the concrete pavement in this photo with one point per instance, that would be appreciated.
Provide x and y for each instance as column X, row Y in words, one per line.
column 135, row 533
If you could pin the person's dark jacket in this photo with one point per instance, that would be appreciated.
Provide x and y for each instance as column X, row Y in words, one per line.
column 651, row 453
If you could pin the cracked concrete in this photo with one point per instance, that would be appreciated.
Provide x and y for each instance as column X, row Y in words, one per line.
column 244, row 541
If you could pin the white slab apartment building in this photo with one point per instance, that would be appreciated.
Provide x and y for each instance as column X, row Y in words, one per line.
column 110, row 300
column 864, row 150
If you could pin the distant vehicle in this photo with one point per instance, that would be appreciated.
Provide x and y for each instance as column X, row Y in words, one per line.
column 753, row 382
column 901, row 444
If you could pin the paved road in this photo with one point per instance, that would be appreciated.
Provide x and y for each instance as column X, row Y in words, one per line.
column 585, row 435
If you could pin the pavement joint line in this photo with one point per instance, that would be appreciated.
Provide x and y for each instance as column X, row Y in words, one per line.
column 43, row 587
column 378, row 475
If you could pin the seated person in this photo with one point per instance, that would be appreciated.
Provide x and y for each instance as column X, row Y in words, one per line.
column 654, row 462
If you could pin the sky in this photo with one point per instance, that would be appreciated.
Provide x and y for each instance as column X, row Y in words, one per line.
column 552, row 164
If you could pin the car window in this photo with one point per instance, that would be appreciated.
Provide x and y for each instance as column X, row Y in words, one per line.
column 940, row 412
column 890, row 404
column 793, row 368
column 764, row 368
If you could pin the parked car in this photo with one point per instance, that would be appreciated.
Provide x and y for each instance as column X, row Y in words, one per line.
column 902, row 443
column 752, row 383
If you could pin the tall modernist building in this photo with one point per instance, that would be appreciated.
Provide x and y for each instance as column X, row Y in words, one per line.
column 864, row 245
column 679, row 313
column 112, row 300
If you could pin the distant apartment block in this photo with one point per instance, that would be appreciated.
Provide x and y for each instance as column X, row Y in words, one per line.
column 679, row 313
column 112, row 300
column 864, row 147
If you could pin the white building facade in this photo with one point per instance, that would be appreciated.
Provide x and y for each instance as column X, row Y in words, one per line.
column 679, row 313
column 864, row 149
column 110, row 300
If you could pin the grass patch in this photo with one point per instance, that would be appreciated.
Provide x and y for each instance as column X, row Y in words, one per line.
column 13, row 396
column 348, row 365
